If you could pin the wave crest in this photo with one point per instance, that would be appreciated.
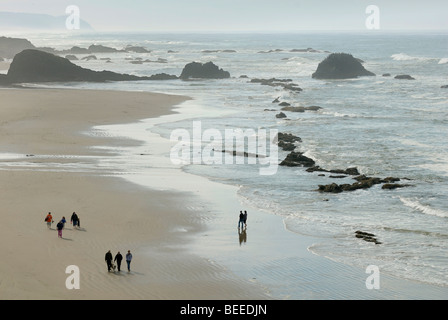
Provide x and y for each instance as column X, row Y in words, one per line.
column 414, row 204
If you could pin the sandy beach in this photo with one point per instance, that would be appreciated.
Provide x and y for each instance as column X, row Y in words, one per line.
column 48, row 126
column 182, row 230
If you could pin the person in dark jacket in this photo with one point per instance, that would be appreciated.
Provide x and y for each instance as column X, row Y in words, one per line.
column 60, row 226
column 74, row 219
column 245, row 218
column 241, row 221
column 108, row 259
column 118, row 258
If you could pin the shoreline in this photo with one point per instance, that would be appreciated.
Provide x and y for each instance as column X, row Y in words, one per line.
column 221, row 244
column 62, row 177
column 189, row 250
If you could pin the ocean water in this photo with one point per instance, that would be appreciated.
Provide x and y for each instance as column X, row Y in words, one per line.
column 383, row 126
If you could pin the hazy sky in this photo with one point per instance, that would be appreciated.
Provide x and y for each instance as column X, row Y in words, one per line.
column 243, row 15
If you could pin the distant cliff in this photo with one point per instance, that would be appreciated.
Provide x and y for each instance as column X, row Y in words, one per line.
column 36, row 22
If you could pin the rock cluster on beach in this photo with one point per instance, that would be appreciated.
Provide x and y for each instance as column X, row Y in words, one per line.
column 340, row 66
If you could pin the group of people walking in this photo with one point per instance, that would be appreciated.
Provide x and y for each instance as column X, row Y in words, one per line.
column 118, row 258
column 74, row 219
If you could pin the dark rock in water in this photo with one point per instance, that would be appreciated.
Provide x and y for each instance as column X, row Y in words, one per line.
column 297, row 159
column 79, row 50
column 349, row 171
column 39, row 66
column 300, row 109
column 71, row 57
column 392, row 186
column 163, row 76
column 293, row 109
column 274, row 82
column 197, row 70
column 288, row 137
column 386, row 74
column 340, row 66
column 280, row 115
column 94, row 48
column 9, row 47
column 136, row 49
column 444, row 87
column 287, row 141
column 363, row 182
column 404, row 77
column 331, row 188
column 276, row 100
column 369, row 237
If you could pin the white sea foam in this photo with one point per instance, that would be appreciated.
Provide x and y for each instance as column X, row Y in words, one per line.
column 426, row 209
column 406, row 57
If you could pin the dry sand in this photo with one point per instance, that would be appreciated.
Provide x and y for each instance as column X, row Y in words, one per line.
column 48, row 125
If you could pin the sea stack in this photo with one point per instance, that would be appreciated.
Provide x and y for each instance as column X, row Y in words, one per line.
column 340, row 66
column 197, row 70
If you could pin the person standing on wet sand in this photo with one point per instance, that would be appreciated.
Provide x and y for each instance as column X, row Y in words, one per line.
column 245, row 218
column 241, row 221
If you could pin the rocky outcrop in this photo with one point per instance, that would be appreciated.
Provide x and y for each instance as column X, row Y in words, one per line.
column 297, row 159
column 404, row 77
column 444, row 86
column 340, row 66
column 286, row 84
column 9, row 47
column 280, row 115
column 39, row 66
column 349, row 171
column 391, row 186
column 97, row 48
column 287, row 141
column 197, row 70
column 363, row 182
column 300, row 109
column 136, row 49
column 163, row 76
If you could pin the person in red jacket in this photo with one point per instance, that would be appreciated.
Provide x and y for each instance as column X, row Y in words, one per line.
column 49, row 220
